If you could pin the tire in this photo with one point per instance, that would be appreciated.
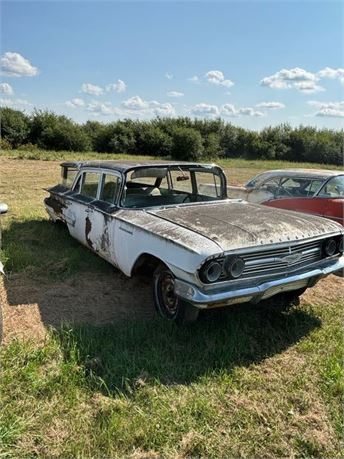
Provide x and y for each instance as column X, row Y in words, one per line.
column 166, row 303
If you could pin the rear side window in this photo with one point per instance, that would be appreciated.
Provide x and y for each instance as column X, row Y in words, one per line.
column 89, row 186
column 110, row 188
column 68, row 175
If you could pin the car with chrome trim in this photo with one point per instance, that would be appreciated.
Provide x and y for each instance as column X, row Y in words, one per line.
column 317, row 192
column 174, row 220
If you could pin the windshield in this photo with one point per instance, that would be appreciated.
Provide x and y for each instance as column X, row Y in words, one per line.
column 163, row 186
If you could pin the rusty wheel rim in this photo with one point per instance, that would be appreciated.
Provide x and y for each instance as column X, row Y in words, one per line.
column 168, row 297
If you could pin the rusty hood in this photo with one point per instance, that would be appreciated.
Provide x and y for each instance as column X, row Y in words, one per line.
column 238, row 224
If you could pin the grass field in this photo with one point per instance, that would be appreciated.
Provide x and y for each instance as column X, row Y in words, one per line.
column 88, row 370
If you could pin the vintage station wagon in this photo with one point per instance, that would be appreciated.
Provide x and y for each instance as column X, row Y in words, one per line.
column 174, row 220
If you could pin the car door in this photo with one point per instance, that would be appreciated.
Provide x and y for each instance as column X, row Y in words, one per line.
column 84, row 192
column 100, row 219
column 298, row 194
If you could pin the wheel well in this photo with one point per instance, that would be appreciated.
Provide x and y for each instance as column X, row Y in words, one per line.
column 146, row 264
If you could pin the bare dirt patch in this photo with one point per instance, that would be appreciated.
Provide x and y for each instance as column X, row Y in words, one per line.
column 30, row 307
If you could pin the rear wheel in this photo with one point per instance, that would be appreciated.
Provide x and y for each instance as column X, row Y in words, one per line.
column 166, row 302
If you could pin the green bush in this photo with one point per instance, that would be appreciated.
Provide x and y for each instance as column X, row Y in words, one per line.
column 187, row 144
column 182, row 138
column 14, row 126
column 54, row 132
column 120, row 138
column 151, row 140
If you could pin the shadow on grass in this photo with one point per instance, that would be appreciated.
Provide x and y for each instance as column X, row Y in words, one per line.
column 118, row 357
column 46, row 249
column 132, row 348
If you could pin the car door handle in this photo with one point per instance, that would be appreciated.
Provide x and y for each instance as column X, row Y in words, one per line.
column 88, row 210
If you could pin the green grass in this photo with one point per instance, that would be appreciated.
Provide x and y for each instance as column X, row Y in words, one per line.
column 242, row 382
column 231, row 162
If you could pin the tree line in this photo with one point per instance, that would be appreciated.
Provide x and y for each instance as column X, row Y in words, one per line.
column 180, row 138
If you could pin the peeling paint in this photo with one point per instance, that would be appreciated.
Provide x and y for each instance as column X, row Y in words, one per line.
column 88, row 227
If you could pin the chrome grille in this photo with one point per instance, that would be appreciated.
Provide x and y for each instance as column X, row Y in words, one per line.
column 280, row 260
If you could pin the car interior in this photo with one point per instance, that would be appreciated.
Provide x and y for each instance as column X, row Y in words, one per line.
column 152, row 187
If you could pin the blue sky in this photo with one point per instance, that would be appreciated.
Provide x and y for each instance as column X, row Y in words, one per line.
column 253, row 63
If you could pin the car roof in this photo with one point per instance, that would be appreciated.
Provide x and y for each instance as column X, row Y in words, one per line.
column 320, row 173
column 125, row 165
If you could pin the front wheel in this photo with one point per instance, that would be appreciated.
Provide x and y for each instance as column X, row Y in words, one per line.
column 166, row 302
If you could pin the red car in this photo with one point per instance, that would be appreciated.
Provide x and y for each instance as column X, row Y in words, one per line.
column 317, row 192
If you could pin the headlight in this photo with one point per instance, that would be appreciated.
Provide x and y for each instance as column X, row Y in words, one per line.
column 211, row 272
column 330, row 247
column 234, row 266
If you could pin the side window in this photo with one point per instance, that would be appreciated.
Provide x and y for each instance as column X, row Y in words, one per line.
column 68, row 175
column 298, row 187
column 77, row 184
column 89, row 184
column 334, row 188
column 181, row 181
column 110, row 188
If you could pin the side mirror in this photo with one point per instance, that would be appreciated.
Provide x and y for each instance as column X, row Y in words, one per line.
column 3, row 208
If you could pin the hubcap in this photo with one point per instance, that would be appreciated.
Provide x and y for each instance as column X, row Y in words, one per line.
column 167, row 292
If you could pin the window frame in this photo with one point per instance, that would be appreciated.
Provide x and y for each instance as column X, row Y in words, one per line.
column 318, row 194
column 102, row 183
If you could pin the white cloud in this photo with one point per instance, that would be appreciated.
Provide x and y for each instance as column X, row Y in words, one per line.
column 330, row 112
column 324, row 105
column 160, row 109
column 75, row 103
column 271, row 105
column 228, row 110
column 204, row 109
column 6, row 89
column 175, row 94
column 330, row 109
column 168, row 75
column 135, row 103
column 15, row 103
column 216, row 77
column 296, row 78
column 148, row 108
column 329, row 72
column 92, row 89
column 249, row 111
column 119, row 86
column 194, row 79
column 308, row 87
column 14, row 64
column 102, row 108
column 231, row 110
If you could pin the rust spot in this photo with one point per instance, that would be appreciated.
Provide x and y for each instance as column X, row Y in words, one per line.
column 105, row 241
column 88, row 227
column 55, row 204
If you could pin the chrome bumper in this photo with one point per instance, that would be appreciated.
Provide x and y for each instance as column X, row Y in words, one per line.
column 223, row 297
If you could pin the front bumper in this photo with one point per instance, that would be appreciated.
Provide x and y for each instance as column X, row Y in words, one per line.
column 221, row 296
